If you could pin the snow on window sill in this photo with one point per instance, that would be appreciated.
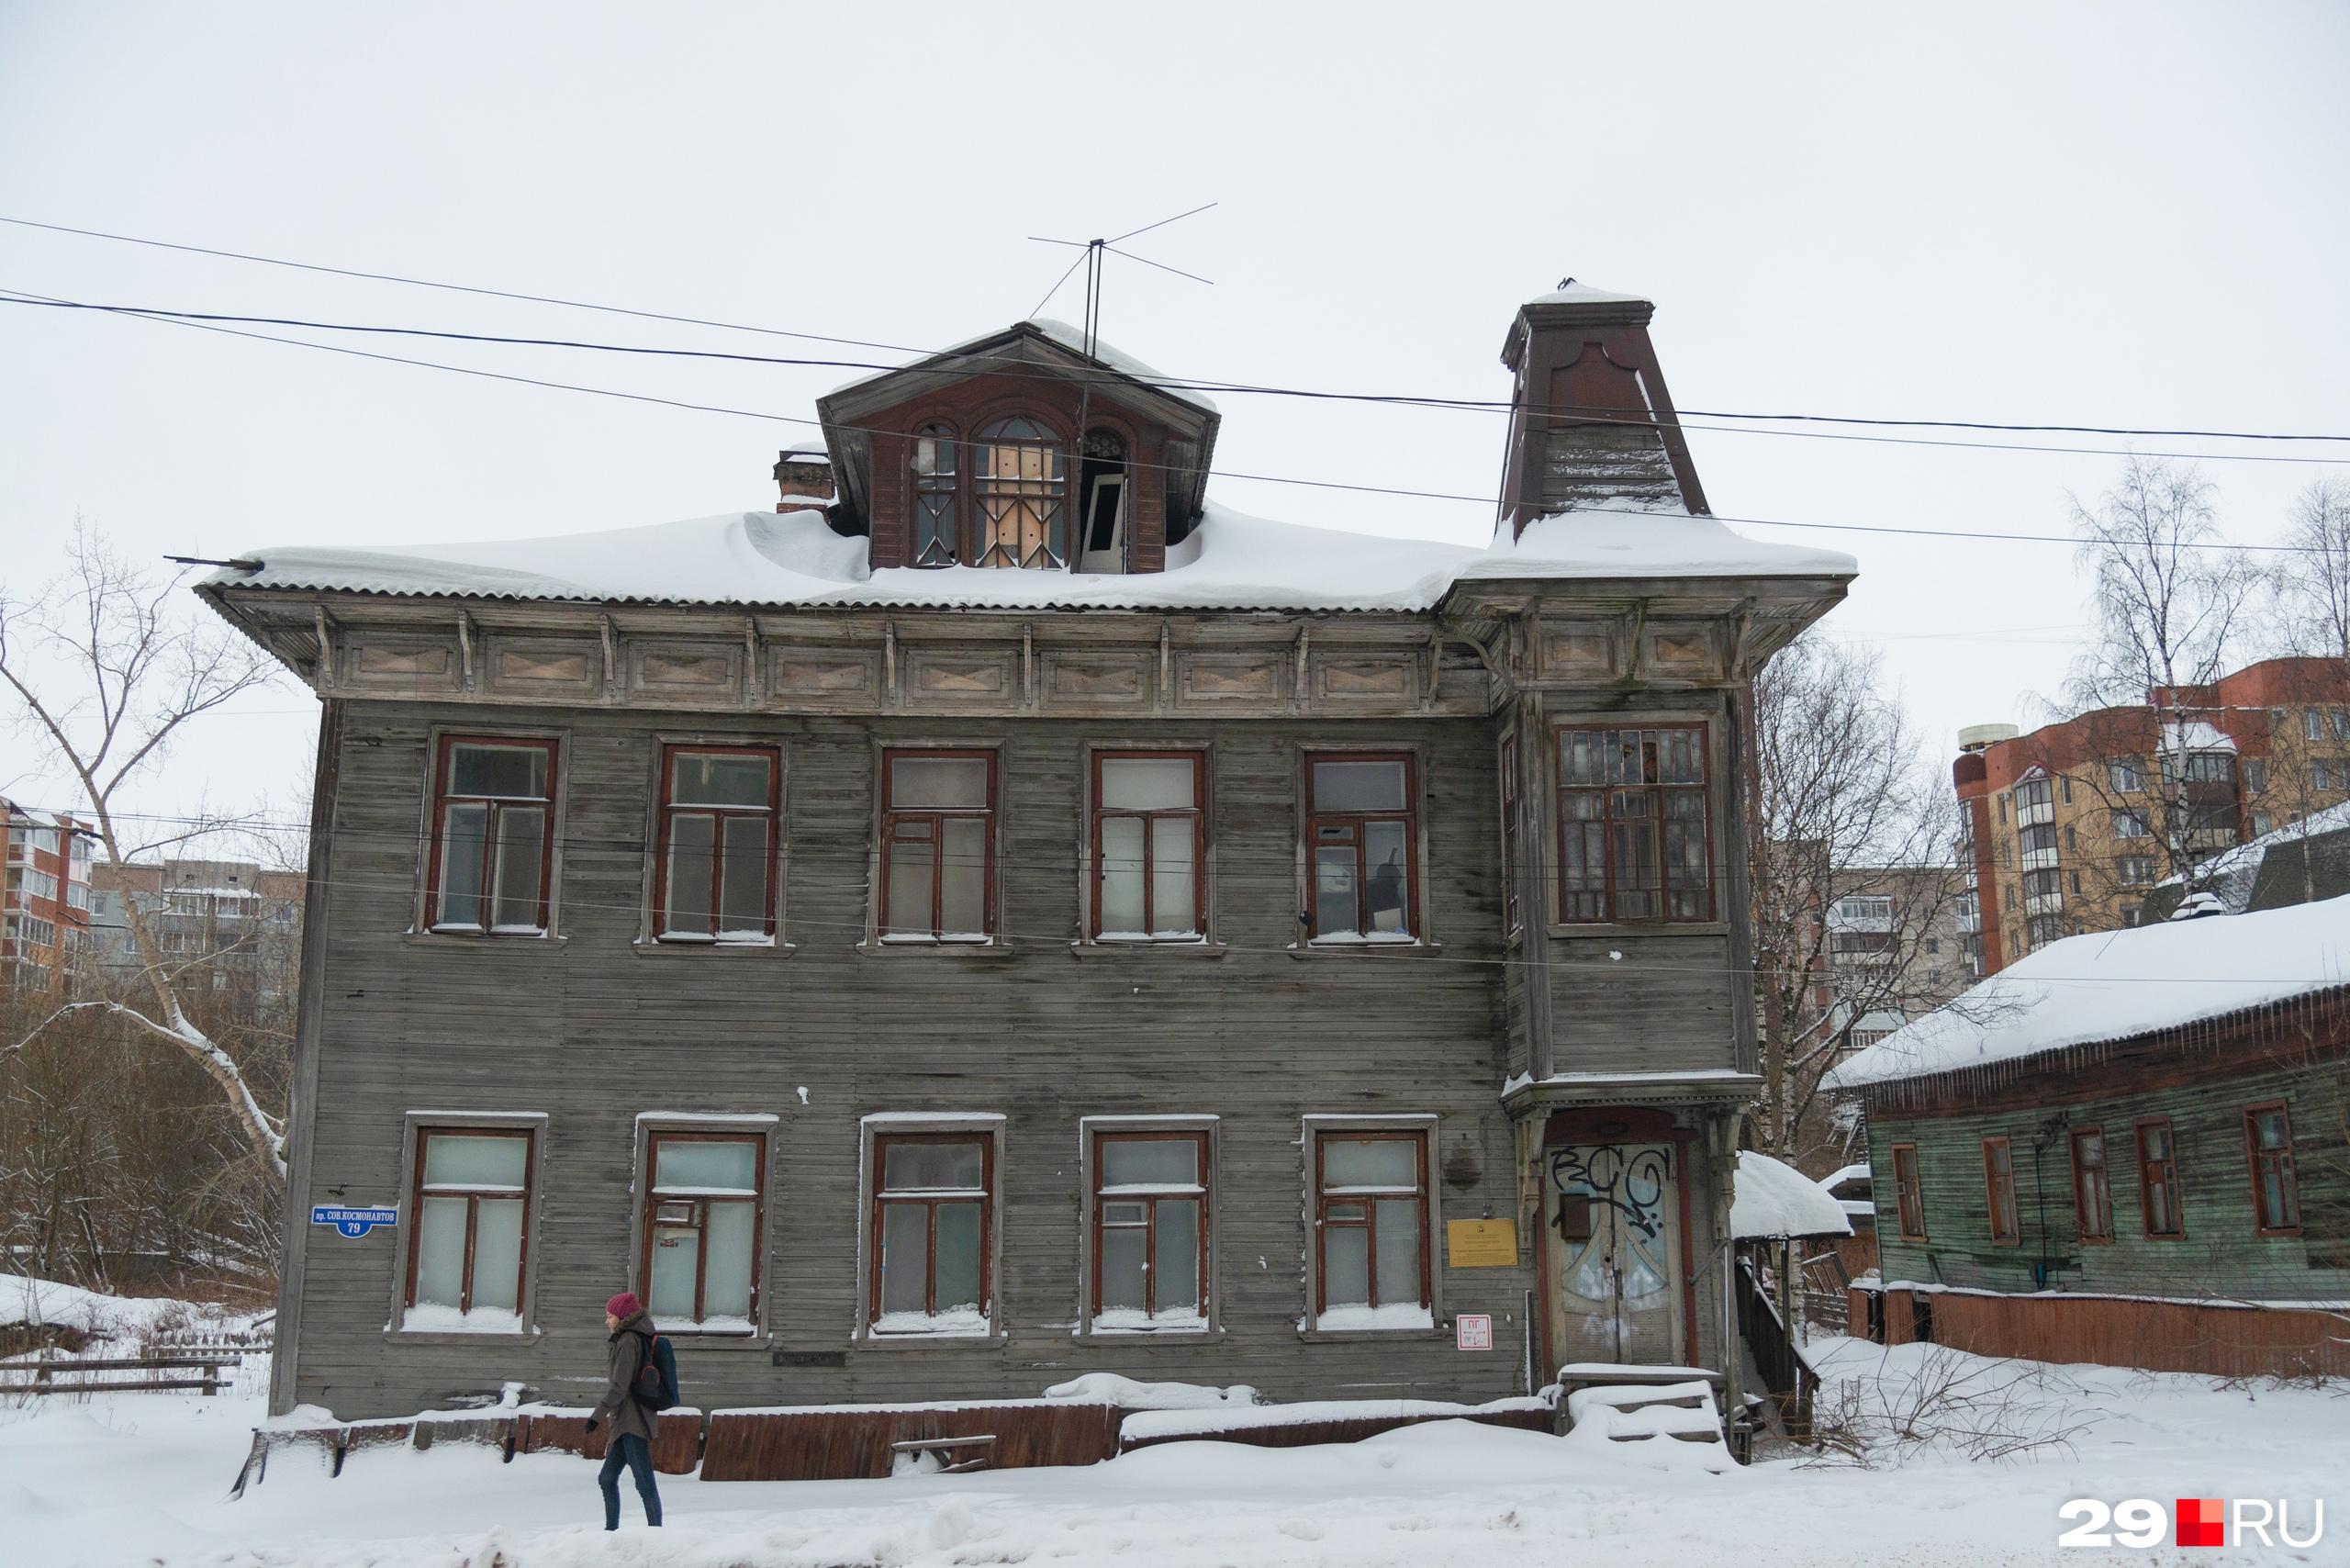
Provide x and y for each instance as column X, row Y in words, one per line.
column 450, row 1322
column 1132, row 1323
column 668, row 947
column 1354, row 1322
column 967, row 1326
column 473, row 937
column 1350, row 945
column 953, row 947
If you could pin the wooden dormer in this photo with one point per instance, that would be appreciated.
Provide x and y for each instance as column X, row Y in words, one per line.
column 1019, row 450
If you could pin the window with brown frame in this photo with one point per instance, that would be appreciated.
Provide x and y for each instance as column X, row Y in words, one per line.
column 2092, row 1193
column 1634, row 845
column 1150, row 1229
column 715, row 876
column 2275, row 1195
column 1017, row 485
column 1149, row 837
column 492, row 853
column 1999, row 1191
column 2158, row 1205
column 938, row 526
column 1370, row 1229
column 1506, row 765
column 470, row 1238
column 699, row 1268
column 938, row 846
column 1362, row 845
column 1908, row 1197
column 934, row 1203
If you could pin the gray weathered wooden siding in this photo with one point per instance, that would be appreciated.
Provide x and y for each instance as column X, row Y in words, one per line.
column 591, row 1033
column 2219, row 1255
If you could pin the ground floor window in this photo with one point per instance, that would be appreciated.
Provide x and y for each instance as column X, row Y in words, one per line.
column 2275, row 1196
column 471, row 1235
column 701, row 1229
column 934, row 1201
column 1370, row 1229
column 1150, row 1229
column 2158, row 1180
column 1999, row 1187
column 1908, row 1198
column 2092, row 1193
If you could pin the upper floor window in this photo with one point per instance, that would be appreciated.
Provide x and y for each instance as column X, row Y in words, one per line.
column 2275, row 1196
column 2132, row 824
column 938, row 525
column 937, row 845
column 2123, row 777
column 1017, row 491
column 1148, row 829
column 1362, row 843
column 2255, row 774
column 1634, row 844
column 1508, row 767
column 716, row 876
column 493, row 835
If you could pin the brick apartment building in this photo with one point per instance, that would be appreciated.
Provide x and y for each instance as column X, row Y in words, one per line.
column 231, row 925
column 2074, row 825
column 45, row 902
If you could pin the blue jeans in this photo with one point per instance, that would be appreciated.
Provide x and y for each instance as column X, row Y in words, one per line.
column 637, row 1454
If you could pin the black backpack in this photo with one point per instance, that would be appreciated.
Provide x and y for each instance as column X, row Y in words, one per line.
column 656, row 1383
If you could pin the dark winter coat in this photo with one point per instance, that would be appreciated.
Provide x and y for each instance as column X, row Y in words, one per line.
column 623, row 1416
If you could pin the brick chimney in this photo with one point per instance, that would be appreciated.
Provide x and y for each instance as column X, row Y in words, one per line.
column 1593, row 425
column 804, row 475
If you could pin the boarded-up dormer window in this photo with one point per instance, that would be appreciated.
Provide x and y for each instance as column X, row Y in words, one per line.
column 1017, row 490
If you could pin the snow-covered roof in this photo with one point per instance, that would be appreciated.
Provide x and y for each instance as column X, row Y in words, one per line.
column 1570, row 292
column 2229, row 873
column 1068, row 337
column 2117, row 984
column 1772, row 1201
column 1229, row 561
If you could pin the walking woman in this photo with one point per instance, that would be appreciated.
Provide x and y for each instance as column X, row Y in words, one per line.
column 632, row 1420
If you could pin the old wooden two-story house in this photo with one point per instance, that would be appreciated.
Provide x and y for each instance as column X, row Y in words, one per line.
column 1002, row 914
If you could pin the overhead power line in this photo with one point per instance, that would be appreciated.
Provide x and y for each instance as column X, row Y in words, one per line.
column 1481, row 501
column 1180, row 383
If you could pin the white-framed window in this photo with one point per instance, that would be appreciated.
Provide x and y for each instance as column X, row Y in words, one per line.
column 1371, row 1216
column 1148, row 1251
column 930, row 1194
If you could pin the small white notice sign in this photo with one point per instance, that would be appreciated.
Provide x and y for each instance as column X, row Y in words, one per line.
column 1472, row 1331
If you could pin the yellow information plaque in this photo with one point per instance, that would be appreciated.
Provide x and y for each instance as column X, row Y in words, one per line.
column 1480, row 1243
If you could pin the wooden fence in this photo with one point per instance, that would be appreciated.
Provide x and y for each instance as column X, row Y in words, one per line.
column 2228, row 1340
column 92, row 1374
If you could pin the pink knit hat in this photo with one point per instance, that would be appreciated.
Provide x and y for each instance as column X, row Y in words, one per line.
column 624, row 1305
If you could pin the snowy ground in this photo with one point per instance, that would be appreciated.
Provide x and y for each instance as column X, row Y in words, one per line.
column 131, row 1478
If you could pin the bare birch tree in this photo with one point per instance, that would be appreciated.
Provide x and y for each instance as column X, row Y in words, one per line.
column 107, row 667
column 1842, row 809
column 2312, row 580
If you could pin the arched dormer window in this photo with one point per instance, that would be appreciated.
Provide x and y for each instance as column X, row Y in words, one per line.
column 1017, row 488
column 939, row 528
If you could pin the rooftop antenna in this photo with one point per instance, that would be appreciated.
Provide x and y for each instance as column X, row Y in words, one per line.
column 1092, row 260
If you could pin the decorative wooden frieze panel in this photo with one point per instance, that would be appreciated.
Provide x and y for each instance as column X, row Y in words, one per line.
column 1218, row 679
column 537, row 668
column 1580, row 651
column 824, row 678
column 1386, row 681
column 692, row 672
column 400, row 664
column 1680, row 653
column 1098, row 680
column 936, row 679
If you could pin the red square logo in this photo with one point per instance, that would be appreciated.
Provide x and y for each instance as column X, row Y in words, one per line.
column 2202, row 1521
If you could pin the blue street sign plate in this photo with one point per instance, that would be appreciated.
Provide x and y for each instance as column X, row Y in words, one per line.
column 353, row 1222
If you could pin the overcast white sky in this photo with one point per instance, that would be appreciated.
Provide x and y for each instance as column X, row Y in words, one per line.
column 2124, row 214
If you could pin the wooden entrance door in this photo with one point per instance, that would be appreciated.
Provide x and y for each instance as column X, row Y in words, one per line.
column 1614, row 1213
